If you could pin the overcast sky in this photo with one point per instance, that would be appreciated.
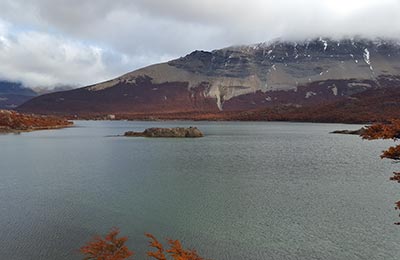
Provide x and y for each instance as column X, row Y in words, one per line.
column 78, row 42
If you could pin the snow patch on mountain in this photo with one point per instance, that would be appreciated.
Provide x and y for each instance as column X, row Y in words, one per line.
column 367, row 58
column 310, row 94
column 324, row 42
column 334, row 90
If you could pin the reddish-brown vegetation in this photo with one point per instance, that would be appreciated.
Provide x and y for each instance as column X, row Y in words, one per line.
column 108, row 248
column 13, row 121
column 173, row 100
column 176, row 251
column 390, row 130
column 374, row 105
column 113, row 248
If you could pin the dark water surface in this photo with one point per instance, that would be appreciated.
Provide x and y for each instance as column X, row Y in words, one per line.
column 245, row 191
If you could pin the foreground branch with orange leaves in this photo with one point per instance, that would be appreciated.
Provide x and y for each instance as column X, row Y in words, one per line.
column 108, row 248
column 390, row 130
column 113, row 248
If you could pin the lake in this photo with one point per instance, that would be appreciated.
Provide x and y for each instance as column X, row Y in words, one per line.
column 266, row 190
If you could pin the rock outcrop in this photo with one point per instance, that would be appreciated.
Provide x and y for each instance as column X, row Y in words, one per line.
column 350, row 132
column 190, row 132
column 11, row 121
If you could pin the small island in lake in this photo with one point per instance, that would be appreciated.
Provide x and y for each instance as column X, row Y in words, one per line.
column 190, row 132
column 11, row 121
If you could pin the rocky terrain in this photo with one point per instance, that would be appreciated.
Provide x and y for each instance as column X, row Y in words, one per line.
column 243, row 80
column 11, row 121
column 191, row 132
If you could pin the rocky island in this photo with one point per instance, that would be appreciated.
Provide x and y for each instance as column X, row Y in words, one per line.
column 350, row 132
column 11, row 121
column 190, row 132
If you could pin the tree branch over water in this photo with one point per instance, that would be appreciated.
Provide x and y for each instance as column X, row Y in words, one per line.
column 389, row 130
column 113, row 248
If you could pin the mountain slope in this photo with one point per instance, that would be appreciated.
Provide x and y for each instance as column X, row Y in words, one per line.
column 239, row 78
column 13, row 94
column 373, row 105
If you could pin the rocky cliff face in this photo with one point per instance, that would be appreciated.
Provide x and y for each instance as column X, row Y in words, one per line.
column 240, row 78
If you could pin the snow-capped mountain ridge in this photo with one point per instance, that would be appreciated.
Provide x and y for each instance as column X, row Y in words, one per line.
column 331, row 41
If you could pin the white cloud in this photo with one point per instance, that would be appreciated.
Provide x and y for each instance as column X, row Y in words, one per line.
column 47, row 60
column 85, row 41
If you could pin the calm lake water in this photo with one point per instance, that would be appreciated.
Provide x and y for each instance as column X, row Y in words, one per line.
column 245, row 191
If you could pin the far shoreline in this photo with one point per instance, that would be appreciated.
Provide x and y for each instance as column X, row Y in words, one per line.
column 219, row 121
column 20, row 131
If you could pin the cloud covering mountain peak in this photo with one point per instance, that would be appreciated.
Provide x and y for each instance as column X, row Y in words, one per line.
column 81, row 42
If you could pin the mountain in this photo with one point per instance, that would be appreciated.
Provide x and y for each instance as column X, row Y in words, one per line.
column 13, row 94
column 238, row 79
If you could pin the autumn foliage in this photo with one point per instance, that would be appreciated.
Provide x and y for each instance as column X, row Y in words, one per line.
column 113, row 248
column 13, row 121
column 390, row 130
column 176, row 251
column 108, row 248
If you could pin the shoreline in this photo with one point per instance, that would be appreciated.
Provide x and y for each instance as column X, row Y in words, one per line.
column 33, row 129
column 14, row 122
column 222, row 120
column 224, row 117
